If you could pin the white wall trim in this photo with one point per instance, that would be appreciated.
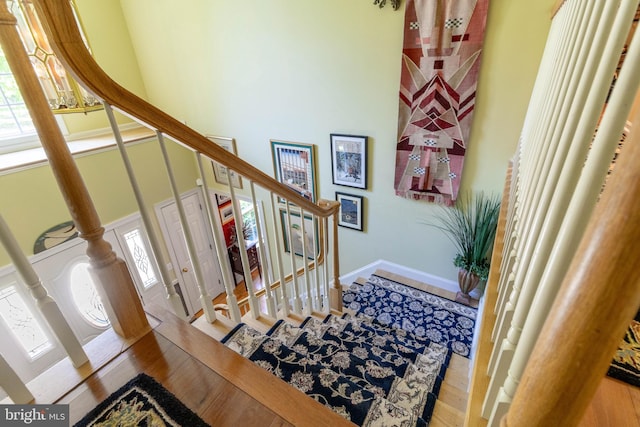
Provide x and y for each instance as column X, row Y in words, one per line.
column 410, row 273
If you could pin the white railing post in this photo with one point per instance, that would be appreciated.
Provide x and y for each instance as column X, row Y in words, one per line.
column 156, row 248
column 221, row 252
column 584, row 183
column 297, row 302
column 578, row 130
column 205, row 298
column 262, row 245
column 246, row 268
column 13, row 385
column 308, row 309
column 47, row 306
column 283, row 286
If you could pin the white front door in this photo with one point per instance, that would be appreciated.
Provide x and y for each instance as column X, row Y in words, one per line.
column 205, row 252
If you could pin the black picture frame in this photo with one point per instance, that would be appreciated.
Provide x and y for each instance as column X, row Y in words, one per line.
column 349, row 156
column 351, row 212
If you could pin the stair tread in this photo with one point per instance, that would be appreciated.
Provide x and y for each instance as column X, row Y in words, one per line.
column 453, row 396
column 445, row 415
column 218, row 329
column 458, row 372
column 416, row 284
column 337, row 390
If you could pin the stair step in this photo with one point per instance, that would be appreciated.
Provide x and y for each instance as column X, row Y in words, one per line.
column 416, row 284
column 218, row 329
column 458, row 372
column 445, row 415
column 453, row 396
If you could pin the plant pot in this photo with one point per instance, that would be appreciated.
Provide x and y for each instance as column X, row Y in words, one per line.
column 467, row 282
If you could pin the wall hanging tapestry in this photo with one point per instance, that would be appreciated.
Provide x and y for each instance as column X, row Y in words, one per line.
column 440, row 63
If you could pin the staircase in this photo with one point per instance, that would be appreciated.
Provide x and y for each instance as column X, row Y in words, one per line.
column 372, row 364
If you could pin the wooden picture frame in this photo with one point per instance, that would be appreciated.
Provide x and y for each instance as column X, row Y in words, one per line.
column 351, row 211
column 226, row 212
column 294, row 166
column 296, row 229
column 349, row 160
column 221, row 173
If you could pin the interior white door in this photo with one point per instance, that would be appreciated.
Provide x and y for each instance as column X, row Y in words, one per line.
column 205, row 252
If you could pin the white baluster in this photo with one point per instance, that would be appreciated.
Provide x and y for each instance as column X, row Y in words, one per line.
column 221, row 251
column 297, row 303
column 246, row 268
column 205, row 298
column 13, row 385
column 587, row 189
column 47, row 306
column 283, row 286
column 156, row 248
column 262, row 245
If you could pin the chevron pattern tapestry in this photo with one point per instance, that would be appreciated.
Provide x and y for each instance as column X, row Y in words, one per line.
column 440, row 63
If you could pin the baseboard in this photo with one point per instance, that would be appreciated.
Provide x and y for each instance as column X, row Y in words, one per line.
column 410, row 273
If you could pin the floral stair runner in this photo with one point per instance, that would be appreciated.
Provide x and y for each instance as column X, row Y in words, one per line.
column 372, row 377
column 385, row 303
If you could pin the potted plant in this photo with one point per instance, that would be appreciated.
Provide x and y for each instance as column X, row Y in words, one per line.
column 471, row 225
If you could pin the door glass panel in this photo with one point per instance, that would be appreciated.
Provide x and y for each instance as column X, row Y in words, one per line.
column 140, row 257
column 22, row 323
column 86, row 297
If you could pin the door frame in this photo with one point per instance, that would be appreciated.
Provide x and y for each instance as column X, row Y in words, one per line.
column 190, row 299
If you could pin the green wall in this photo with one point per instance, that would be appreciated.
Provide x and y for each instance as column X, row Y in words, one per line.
column 31, row 200
column 300, row 70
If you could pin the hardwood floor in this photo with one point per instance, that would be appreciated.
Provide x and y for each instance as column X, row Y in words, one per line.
column 219, row 385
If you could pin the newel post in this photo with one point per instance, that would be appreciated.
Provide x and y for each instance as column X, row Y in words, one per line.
column 115, row 285
column 335, row 292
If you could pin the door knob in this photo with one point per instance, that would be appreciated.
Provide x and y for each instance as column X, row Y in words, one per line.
column 185, row 269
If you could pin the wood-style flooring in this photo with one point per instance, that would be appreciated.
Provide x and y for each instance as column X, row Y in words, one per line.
column 222, row 387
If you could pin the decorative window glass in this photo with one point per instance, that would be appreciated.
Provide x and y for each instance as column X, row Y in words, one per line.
column 22, row 323
column 63, row 93
column 86, row 297
column 140, row 257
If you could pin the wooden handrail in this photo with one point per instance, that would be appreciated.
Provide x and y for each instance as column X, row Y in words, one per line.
column 597, row 300
column 60, row 26
column 115, row 284
column 556, row 7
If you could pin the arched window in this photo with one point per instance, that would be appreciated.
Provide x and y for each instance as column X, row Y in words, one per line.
column 86, row 297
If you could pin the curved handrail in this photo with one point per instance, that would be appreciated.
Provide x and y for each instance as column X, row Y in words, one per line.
column 61, row 28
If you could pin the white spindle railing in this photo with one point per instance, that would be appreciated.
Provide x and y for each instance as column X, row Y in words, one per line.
column 156, row 247
column 559, row 169
column 13, row 385
column 45, row 304
column 302, row 289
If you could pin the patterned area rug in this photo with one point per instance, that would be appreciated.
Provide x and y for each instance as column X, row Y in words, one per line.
column 141, row 402
column 369, row 375
column 426, row 316
column 626, row 362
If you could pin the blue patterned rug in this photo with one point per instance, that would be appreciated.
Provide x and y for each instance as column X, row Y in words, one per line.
column 141, row 402
column 369, row 376
column 385, row 303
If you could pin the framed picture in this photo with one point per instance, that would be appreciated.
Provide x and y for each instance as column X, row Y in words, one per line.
column 349, row 160
column 222, row 173
column 221, row 199
column 350, row 214
column 294, row 166
column 226, row 212
column 294, row 229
